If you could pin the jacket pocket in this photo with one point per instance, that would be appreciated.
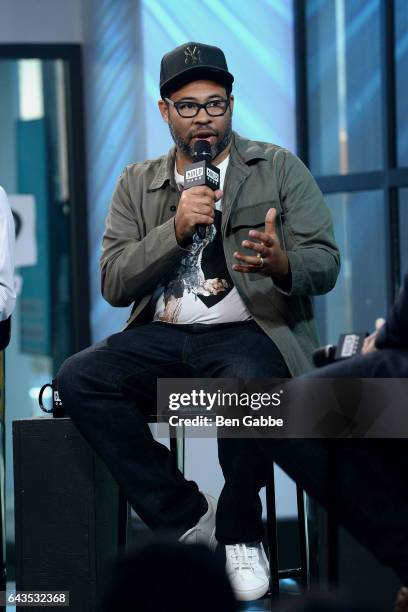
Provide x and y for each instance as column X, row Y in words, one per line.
column 253, row 217
column 250, row 216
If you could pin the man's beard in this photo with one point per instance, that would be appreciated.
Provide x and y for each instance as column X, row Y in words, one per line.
column 185, row 145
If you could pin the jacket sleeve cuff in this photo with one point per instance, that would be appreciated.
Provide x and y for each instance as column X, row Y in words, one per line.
column 167, row 237
column 296, row 276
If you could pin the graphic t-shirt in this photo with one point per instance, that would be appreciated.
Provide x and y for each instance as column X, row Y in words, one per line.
column 199, row 289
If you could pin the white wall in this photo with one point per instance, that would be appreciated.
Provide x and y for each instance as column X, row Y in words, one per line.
column 40, row 21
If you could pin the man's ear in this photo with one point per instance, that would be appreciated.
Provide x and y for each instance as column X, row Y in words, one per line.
column 164, row 110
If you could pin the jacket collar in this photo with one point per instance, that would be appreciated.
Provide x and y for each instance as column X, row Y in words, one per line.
column 242, row 148
column 246, row 150
column 165, row 171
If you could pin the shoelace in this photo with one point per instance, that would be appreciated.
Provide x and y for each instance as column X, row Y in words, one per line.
column 243, row 556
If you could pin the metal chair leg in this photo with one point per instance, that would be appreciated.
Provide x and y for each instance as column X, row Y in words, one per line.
column 303, row 542
column 272, row 536
column 303, row 572
column 177, row 447
column 312, row 541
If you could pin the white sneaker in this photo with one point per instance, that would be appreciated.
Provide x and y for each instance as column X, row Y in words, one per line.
column 248, row 570
column 204, row 531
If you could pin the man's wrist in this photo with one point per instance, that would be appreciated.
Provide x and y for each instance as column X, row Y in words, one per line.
column 184, row 243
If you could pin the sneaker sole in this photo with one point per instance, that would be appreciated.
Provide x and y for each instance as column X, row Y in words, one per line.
column 252, row 594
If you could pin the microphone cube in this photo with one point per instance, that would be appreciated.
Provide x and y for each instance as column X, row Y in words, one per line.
column 202, row 173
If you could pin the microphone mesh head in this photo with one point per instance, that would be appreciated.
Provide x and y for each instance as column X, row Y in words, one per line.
column 202, row 150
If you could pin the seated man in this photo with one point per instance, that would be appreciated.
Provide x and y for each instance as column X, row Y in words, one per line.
column 7, row 292
column 201, row 306
column 371, row 490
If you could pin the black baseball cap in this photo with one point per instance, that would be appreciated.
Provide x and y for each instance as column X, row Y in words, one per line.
column 190, row 62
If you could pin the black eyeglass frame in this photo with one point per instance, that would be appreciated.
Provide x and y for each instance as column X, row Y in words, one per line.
column 199, row 106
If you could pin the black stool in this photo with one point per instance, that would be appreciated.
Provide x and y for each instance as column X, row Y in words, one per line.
column 177, row 449
column 303, row 571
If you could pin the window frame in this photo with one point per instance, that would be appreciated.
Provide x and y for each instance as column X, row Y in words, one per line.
column 391, row 177
column 71, row 54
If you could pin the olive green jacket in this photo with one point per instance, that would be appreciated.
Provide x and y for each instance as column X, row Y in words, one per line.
column 140, row 247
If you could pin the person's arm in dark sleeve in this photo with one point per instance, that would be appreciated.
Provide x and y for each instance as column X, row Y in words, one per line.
column 394, row 333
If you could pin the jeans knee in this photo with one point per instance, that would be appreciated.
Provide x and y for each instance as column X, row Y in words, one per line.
column 83, row 372
column 65, row 374
column 69, row 377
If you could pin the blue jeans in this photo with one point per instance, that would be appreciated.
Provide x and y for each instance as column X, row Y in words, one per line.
column 109, row 388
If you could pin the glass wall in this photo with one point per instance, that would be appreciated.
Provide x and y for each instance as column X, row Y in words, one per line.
column 37, row 163
column 354, row 137
column 343, row 77
column 401, row 62
column 360, row 295
column 403, row 226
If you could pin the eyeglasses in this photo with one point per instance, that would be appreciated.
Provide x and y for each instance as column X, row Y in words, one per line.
column 214, row 108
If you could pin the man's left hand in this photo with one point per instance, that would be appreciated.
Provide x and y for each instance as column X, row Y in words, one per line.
column 268, row 259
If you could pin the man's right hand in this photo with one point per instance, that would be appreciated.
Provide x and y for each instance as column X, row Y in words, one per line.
column 196, row 206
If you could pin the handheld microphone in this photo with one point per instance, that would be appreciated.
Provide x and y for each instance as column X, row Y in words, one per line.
column 202, row 172
column 348, row 346
column 324, row 355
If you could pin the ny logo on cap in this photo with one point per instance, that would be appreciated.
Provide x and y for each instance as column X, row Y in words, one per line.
column 192, row 56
